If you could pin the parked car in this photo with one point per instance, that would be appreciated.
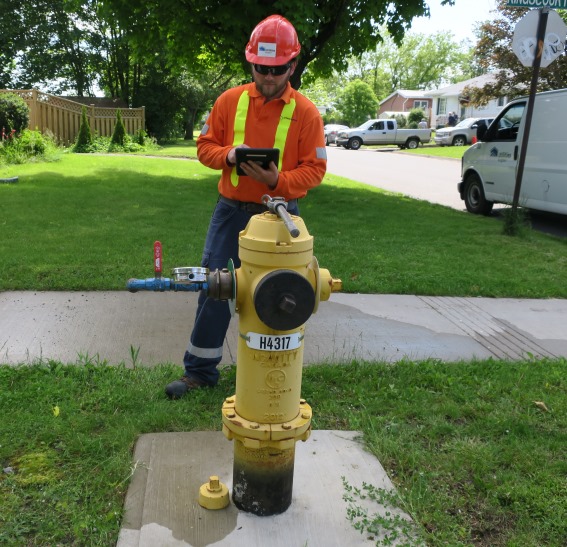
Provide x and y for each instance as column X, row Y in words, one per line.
column 490, row 167
column 462, row 133
column 331, row 132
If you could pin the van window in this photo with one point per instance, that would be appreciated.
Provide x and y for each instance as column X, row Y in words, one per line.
column 507, row 124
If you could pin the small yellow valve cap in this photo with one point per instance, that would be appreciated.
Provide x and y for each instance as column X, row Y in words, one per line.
column 213, row 494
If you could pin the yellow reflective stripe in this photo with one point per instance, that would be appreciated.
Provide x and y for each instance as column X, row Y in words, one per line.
column 240, row 119
column 283, row 129
column 239, row 128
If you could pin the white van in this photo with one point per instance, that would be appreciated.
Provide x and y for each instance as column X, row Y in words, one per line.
column 489, row 166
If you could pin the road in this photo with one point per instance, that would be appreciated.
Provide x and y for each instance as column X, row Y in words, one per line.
column 428, row 178
column 421, row 177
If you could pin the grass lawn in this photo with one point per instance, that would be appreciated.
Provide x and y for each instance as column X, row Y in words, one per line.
column 178, row 149
column 476, row 462
column 89, row 222
column 475, row 459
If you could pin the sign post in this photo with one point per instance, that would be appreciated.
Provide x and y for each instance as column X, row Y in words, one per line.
column 535, row 51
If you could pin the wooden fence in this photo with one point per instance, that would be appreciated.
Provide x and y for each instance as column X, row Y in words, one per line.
column 62, row 117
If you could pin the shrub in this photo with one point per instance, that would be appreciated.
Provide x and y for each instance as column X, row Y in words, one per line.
column 119, row 130
column 14, row 113
column 85, row 137
column 401, row 120
column 141, row 137
column 28, row 146
column 415, row 116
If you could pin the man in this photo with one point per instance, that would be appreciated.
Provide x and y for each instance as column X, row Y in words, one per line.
column 264, row 114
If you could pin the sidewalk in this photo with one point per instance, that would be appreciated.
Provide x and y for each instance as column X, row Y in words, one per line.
column 111, row 326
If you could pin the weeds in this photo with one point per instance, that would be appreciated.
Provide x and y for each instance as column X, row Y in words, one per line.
column 134, row 353
column 29, row 146
column 516, row 222
column 385, row 524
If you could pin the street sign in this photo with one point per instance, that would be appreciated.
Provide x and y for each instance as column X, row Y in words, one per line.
column 553, row 4
column 524, row 43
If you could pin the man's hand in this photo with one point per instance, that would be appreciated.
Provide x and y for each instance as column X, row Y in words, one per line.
column 269, row 176
column 231, row 156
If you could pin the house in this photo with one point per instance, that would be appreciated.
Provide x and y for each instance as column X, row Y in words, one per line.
column 404, row 100
column 450, row 99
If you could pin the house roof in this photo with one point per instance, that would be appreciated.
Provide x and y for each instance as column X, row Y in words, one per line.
column 408, row 94
column 456, row 89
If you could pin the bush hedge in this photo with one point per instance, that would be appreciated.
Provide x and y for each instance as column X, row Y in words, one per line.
column 14, row 113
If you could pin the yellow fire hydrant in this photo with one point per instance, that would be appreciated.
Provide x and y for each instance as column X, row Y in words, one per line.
column 278, row 287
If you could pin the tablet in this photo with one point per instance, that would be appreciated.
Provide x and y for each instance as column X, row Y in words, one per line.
column 262, row 156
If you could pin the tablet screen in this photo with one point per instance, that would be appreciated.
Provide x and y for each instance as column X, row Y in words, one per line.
column 262, row 156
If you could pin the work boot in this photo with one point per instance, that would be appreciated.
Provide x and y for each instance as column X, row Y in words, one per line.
column 180, row 387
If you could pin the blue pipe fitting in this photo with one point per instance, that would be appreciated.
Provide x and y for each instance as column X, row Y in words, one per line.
column 162, row 284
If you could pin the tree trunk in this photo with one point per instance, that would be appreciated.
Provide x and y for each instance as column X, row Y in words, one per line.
column 190, row 124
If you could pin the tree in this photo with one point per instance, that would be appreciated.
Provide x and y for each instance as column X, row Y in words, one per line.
column 51, row 44
column 14, row 113
column 419, row 62
column 357, row 103
column 494, row 54
column 329, row 32
column 119, row 132
column 85, row 137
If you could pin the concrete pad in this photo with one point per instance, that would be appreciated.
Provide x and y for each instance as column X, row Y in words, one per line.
column 162, row 502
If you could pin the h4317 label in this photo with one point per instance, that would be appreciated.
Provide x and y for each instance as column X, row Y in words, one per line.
column 273, row 342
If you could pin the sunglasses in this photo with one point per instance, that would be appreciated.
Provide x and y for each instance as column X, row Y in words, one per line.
column 264, row 70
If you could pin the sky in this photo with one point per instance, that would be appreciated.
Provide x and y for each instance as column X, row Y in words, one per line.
column 459, row 19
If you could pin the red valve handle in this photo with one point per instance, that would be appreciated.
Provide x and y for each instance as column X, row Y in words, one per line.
column 157, row 258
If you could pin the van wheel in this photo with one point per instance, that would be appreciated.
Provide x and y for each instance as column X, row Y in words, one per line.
column 459, row 140
column 474, row 198
column 412, row 144
column 355, row 143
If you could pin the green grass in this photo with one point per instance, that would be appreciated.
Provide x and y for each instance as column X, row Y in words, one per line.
column 430, row 149
column 455, row 152
column 89, row 222
column 475, row 460
column 179, row 148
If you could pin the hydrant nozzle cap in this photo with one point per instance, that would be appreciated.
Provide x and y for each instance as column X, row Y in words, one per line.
column 336, row 285
column 213, row 494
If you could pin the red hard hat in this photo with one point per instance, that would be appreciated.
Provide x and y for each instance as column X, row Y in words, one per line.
column 273, row 42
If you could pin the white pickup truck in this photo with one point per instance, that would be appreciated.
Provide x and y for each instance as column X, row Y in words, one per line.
column 382, row 132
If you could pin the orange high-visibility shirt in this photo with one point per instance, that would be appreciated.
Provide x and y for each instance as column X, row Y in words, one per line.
column 304, row 157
